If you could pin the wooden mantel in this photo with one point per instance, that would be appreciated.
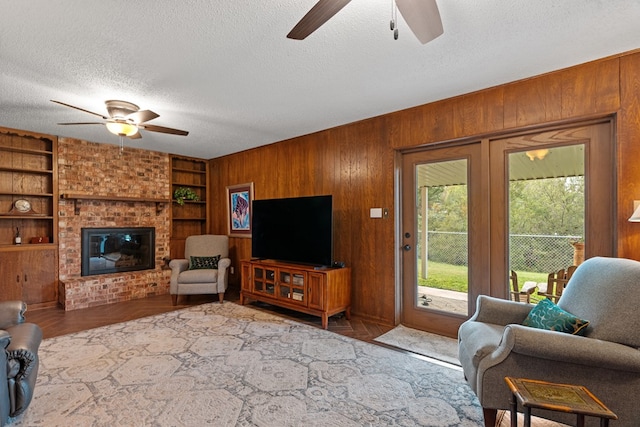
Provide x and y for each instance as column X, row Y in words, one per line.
column 77, row 198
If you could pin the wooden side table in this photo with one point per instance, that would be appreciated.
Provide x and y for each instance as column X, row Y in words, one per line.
column 573, row 399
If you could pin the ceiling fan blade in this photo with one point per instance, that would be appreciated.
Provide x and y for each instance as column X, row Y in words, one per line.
column 81, row 109
column 320, row 13
column 423, row 18
column 81, row 123
column 163, row 129
column 136, row 135
column 142, row 116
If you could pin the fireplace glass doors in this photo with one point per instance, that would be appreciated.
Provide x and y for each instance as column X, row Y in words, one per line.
column 114, row 250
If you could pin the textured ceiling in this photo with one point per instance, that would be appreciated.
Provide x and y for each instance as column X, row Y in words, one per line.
column 225, row 71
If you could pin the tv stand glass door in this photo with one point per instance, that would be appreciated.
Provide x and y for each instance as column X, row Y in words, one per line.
column 264, row 281
column 291, row 285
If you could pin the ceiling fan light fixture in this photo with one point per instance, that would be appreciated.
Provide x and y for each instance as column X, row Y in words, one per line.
column 125, row 119
column 122, row 129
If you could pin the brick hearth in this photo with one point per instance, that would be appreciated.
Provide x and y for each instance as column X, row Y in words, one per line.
column 101, row 170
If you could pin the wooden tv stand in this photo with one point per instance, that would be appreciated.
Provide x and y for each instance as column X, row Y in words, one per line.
column 320, row 292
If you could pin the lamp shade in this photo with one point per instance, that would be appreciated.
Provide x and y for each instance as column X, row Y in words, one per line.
column 636, row 215
column 122, row 129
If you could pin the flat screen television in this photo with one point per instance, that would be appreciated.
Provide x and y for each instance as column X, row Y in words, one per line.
column 297, row 229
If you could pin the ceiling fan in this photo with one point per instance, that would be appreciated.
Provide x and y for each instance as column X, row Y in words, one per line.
column 422, row 16
column 125, row 119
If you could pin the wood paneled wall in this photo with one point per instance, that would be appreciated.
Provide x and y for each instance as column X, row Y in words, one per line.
column 355, row 163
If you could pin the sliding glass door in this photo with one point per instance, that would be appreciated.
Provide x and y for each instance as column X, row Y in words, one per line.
column 473, row 213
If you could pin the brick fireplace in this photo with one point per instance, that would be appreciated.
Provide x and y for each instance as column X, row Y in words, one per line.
column 100, row 170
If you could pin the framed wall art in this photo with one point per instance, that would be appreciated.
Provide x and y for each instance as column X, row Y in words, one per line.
column 239, row 199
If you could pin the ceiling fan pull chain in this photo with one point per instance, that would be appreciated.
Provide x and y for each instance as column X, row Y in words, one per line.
column 392, row 23
column 394, row 19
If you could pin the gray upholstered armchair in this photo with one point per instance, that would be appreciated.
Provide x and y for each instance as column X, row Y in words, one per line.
column 19, row 343
column 205, row 269
column 606, row 291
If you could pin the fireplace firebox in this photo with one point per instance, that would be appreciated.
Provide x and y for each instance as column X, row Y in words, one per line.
column 114, row 250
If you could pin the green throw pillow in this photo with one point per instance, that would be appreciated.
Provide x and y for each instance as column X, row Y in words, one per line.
column 204, row 262
column 547, row 315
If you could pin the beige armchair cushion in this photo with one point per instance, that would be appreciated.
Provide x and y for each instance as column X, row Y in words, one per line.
column 198, row 276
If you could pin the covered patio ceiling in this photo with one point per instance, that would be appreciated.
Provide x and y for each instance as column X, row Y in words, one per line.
column 558, row 162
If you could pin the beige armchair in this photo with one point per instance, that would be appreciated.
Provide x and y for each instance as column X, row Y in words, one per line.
column 205, row 269
column 493, row 343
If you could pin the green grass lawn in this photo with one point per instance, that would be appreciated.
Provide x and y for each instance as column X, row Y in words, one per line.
column 454, row 278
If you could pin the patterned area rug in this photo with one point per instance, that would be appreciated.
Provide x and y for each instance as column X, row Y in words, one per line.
column 424, row 343
column 230, row 365
column 445, row 349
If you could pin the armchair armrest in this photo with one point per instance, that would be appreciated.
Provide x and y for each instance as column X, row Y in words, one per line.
column 11, row 313
column 223, row 265
column 22, row 365
column 499, row 311
column 23, row 349
column 565, row 348
column 178, row 265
